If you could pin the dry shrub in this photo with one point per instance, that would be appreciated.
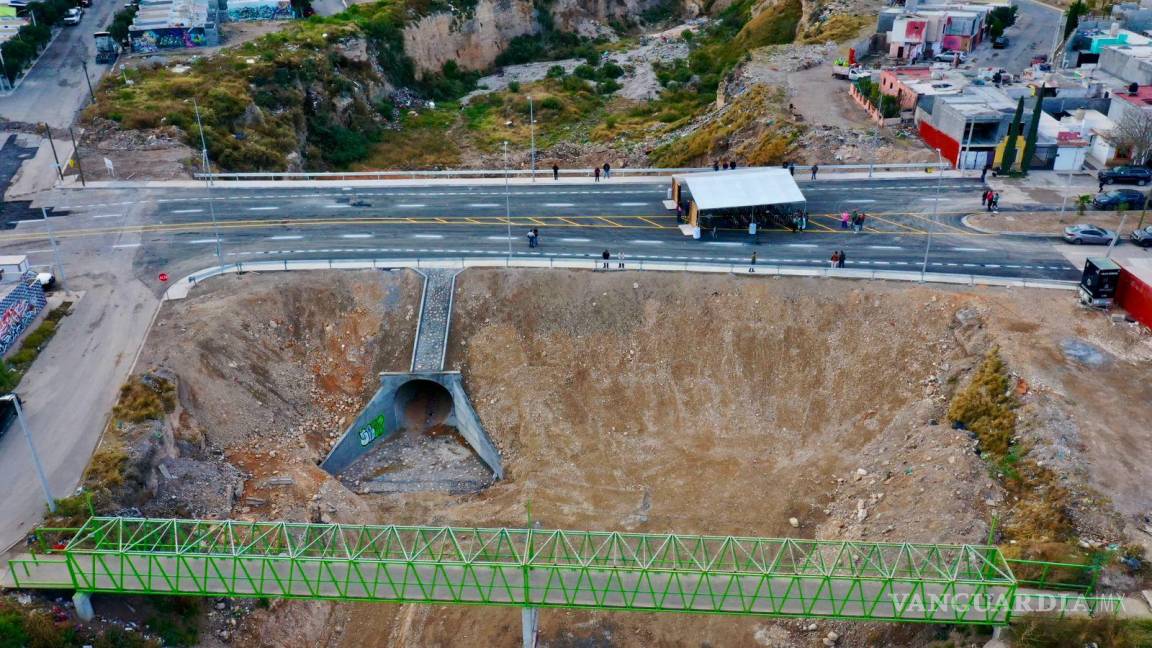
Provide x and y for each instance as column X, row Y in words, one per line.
column 987, row 406
column 837, row 28
column 106, row 469
column 1047, row 632
column 143, row 398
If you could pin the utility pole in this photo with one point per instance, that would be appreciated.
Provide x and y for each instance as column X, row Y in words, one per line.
column 55, row 248
column 52, row 145
column 1067, row 186
column 935, row 207
column 208, row 184
column 875, row 151
column 76, row 155
column 966, row 149
column 84, row 64
column 532, row 129
column 12, row 398
column 1116, row 239
column 507, row 200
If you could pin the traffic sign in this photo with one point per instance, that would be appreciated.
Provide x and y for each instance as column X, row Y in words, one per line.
column 163, row 276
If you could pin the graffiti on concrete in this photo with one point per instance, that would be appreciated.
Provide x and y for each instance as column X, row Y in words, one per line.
column 270, row 10
column 154, row 40
column 13, row 322
column 372, row 431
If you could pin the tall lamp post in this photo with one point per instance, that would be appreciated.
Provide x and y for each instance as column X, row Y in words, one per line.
column 507, row 200
column 935, row 207
column 532, row 130
column 91, row 93
column 11, row 398
column 208, row 183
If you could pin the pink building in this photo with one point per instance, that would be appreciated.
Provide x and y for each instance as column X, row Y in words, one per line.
column 908, row 84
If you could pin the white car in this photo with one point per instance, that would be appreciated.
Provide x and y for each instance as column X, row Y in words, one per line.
column 73, row 16
column 948, row 57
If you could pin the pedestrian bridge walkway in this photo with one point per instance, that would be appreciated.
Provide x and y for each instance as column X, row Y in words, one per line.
column 530, row 568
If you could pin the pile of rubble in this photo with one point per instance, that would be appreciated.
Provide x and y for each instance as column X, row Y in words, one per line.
column 107, row 135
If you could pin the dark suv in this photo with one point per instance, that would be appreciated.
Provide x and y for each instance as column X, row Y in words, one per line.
column 1126, row 175
column 7, row 414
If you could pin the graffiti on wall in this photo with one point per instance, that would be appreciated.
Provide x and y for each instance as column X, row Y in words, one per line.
column 13, row 322
column 272, row 10
column 154, row 40
column 372, row 431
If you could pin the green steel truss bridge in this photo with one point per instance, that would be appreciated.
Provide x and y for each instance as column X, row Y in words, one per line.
column 531, row 568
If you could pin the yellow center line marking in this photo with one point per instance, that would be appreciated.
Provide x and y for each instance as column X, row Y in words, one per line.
column 652, row 222
column 892, row 222
column 536, row 221
column 609, row 222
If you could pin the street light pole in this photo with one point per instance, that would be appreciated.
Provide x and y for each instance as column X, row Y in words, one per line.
column 208, row 184
column 507, row 200
column 935, row 207
column 532, row 129
column 91, row 93
column 55, row 247
column 1067, row 185
column 875, row 146
column 11, row 398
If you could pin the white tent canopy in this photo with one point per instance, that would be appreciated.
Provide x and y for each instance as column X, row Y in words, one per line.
column 742, row 188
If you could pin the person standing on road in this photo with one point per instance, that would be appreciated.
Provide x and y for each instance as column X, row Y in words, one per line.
column 531, row 239
column 555, row 171
column 984, row 172
column 752, row 263
column 715, row 165
column 620, row 260
column 535, row 237
column 792, row 168
column 860, row 225
column 605, row 255
column 845, row 217
column 607, row 171
column 1101, row 181
column 984, row 197
column 834, row 262
column 843, row 258
column 996, row 202
column 596, row 173
column 815, row 168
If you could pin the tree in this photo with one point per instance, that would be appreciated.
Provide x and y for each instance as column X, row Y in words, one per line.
column 1082, row 203
column 1030, row 140
column 1073, row 14
column 1134, row 134
column 1009, row 158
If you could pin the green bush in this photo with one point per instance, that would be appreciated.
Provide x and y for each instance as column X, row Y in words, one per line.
column 551, row 103
column 556, row 72
column 607, row 86
column 610, row 70
column 987, row 406
column 514, row 87
column 584, row 71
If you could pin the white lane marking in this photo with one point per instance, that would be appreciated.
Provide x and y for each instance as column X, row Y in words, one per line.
column 263, row 208
column 285, row 237
column 337, row 206
column 410, row 205
column 631, row 204
column 575, row 240
column 183, row 211
column 965, row 249
column 201, row 241
column 499, row 238
column 36, row 251
column 484, row 205
column 885, row 247
column 127, row 245
column 727, row 244
column 356, row 236
column 854, row 202
column 647, row 242
column 935, row 198
column 803, row 245
column 559, row 205
column 428, row 236
column 106, row 215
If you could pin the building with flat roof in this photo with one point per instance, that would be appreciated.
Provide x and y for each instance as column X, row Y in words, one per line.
column 919, row 31
column 174, row 24
column 908, row 84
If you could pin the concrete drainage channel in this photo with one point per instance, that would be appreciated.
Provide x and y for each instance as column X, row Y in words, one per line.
column 419, row 419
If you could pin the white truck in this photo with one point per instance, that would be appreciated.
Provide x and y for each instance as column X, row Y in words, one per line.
column 850, row 72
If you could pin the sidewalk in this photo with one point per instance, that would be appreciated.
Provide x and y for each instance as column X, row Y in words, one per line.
column 542, row 179
column 1045, row 187
column 38, row 173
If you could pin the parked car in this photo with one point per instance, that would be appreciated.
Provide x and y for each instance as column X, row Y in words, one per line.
column 73, row 16
column 1142, row 236
column 1000, row 42
column 7, row 414
column 1114, row 199
column 948, row 57
column 359, row 202
column 1126, row 175
column 47, row 281
column 1088, row 235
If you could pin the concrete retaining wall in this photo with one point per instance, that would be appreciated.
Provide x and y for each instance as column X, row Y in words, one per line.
column 382, row 416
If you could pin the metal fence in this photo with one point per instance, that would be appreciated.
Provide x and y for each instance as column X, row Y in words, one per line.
column 524, row 173
column 180, row 289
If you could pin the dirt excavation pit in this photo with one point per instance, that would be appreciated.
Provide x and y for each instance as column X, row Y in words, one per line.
column 650, row 403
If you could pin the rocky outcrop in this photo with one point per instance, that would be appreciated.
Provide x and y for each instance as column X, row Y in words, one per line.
column 474, row 39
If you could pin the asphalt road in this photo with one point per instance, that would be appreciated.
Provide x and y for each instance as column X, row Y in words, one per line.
column 55, row 89
column 1032, row 35
column 574, row 220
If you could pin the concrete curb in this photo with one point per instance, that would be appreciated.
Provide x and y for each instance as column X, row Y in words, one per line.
column 985, row 230
column 183, row 287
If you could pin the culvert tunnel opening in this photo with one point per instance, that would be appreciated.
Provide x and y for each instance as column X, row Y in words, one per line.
column 423, row 407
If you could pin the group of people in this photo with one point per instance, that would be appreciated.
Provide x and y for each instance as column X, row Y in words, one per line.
column 855, row 220
column 606, row 169
column 839, row 257
column 990, row 200
column 534, row 237
column 726, row 165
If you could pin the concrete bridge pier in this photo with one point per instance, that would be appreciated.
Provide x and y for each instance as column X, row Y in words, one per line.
column 83, row 603
column 530, row 624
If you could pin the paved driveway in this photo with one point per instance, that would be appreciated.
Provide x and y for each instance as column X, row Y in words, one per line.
column 1032, row 35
